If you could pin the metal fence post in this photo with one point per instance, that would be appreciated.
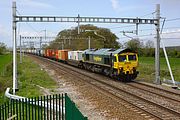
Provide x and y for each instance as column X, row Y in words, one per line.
column 29, row 112
column 38, row 108
column 50, row 108
column 44, row 107
column 34, row 107
column 59, row 107
column 2, row 111
column 47, row 108
column 17, row 108
column 23, row 100
column 56, row 108
column 26, row 103
column 53, row 108
column 41, row 108
column 63, row 106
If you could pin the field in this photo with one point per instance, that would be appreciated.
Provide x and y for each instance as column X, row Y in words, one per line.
column 147, row 68
column 29, row 76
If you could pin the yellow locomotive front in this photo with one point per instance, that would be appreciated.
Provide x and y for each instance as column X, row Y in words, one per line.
column 126, row 65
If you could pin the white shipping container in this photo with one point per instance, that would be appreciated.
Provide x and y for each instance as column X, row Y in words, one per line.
column 29, row 51
column 42, row 52
column 70, row 55
column 75, row 55
column 80, row 55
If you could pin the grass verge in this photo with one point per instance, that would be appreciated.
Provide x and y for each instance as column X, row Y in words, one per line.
column 30, row 75
column 147, row 68
column 5, row 74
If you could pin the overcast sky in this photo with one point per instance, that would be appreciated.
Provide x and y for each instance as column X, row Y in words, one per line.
column 93, row 8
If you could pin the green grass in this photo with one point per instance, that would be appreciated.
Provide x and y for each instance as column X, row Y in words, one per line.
column 29, row 76
column 147, row 68
column 4, row 60
column 5, row 74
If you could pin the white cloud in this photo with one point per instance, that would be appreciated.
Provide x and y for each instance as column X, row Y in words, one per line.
column 123, row 7
column 115, row 4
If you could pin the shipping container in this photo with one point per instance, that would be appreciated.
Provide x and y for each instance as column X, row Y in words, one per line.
column 69, row 55
column 63, row 55
column 75, row 55
column 49, row 53
column 42, row 52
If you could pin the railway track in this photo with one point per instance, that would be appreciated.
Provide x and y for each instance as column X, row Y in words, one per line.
column 168, row 94
column 122, row 92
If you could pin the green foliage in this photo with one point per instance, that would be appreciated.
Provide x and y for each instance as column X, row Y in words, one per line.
column 2, row 48
column 146, row 52
column 150, row 52
column 133, row 44
column 172, row 53
column 149, row 44
column 178, row 54
column 104, row 38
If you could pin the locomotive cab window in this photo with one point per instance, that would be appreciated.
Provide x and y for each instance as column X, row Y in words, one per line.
column 132, row 57
column 122, row 58
column 87, row 56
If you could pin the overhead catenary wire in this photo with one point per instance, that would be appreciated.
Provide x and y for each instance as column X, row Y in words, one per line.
column 174, row 19
column 152, row 34
column 152, row 13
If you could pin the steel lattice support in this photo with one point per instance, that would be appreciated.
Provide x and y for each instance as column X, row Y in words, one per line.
column 79, row 20
column 85, row 19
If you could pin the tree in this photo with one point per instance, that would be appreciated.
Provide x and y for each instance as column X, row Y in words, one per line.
column 2, row 48
column 44, row 46
column 149, row 44
column 149, row 50
column 66, row 37
column 133, row 44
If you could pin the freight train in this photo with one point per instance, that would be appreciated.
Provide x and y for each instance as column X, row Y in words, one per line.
column 120, row 64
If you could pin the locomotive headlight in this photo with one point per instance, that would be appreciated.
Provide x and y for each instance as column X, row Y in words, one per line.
column 121, row 68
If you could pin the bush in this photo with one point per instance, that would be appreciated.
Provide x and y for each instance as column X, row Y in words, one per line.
column 2, row 48
column 178, row 54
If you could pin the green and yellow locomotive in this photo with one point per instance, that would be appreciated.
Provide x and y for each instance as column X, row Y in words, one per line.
column 121, row 63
